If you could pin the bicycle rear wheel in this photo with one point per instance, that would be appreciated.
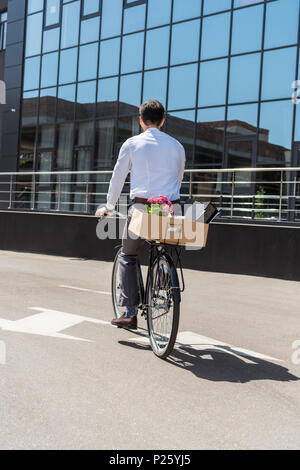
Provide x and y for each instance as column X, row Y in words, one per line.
column 163, row 311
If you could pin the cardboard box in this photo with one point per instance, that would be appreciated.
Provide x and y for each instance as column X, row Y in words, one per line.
column 172, row 230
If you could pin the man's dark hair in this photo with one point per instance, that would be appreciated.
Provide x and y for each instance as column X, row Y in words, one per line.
column 152, row 112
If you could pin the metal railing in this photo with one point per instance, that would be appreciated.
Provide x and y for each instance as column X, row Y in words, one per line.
column 253, row 194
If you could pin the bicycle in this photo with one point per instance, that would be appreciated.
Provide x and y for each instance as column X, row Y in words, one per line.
column 160, row 297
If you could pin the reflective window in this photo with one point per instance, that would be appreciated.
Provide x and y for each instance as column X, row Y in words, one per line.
column 107, row 97
column 90, row 30
column 105, row 140
column 70, row 24
column 282, row 16
column 46, row 136
column 212, row 6
column 134, row 19
column 215, row 36
column 297, row 126
column 34, row 34
column 51, row 40
column 85, row 133
column 32, row 73
column 90, row 7
column 184, row 9
column 28, row 133
column 130, row 91
column 157, row 48
column 247, row 29
column 242, row 119
column 86, row 99
column 109, row 57
column 185, row 43
column 275, row 133
column 244, row 78
column 65, row 146
column 66, row 103
column 132, row 53
column 182, row 87
column 212, row 82
column 47, row 106
column 159, row 12
column 209, row 143
column 52, row 14
column 68, row 66
column 49, row 70
column 128, row 127
column 35, row 5
column 88, row 56
column 278, row 73
column 181, row 126
column 111, row 18
column 155, row 86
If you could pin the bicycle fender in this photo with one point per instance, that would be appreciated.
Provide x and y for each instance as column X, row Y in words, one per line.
column 174, row 279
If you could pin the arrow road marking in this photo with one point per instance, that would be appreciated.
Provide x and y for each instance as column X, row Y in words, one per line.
column 85, row 290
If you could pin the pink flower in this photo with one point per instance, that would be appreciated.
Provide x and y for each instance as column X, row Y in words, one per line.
column 163, row 198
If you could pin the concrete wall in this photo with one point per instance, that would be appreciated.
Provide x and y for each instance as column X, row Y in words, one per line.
column 254, row 250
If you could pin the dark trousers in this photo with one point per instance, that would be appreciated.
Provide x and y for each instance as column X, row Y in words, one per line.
column 131, row 246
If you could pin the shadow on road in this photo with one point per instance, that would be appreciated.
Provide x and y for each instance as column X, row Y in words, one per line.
column 219, row 366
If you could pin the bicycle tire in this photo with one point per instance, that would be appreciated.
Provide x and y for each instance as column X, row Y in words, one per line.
column 172, row 279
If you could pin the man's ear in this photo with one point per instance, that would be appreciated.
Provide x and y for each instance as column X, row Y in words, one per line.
column 162, row 123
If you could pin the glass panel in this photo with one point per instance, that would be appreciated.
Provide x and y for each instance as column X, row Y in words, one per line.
column 65, row 146
column 90, row 30
column 109, row 57
column 155, row 86
column 44, row 164
column 157, row 48
column 159, row 12
column 297, row 126
column 278, row 73
column 90, row 7
column 47, row 106
column 130, row 93
column 181, row 126
column 86, row 99
column 52, row 15
column 281, row 16
column 185, row 44
column 184, row 10
column 83, row 163
column 212, row 82
column 32, row 73
column 127, row 127
column 212, row 6
column 182, row 87
column 70, row 24
column 35, row 5
column 105, row 140
column 209, row 141
column 244, row 78
column 49, row 70
column 275, row 133
column 46, row 135
column 51, row 40
column 107, row 97
column 34, row 34
column 66, row 103
column 247, row 29
column 29, row 121
column 134, row 19
column 44, row 200
column 68, row 66
column 88, row 57
column 215, row 36
column 242, row 120
column 111, row 18
column 85, row 133
column 240, row 154
column 132, row 53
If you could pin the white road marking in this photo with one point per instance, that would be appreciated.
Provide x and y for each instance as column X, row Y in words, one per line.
column 85, row 290
column 190, row 340
column 48, row 323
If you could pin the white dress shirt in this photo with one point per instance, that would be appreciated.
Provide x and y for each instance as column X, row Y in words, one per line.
column 156, row 162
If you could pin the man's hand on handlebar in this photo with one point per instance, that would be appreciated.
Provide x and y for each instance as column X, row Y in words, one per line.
column 103, row 212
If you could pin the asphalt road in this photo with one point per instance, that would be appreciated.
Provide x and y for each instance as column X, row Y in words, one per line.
column 69, row 380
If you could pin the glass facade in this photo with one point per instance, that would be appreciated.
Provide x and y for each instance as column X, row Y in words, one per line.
column 224, row 69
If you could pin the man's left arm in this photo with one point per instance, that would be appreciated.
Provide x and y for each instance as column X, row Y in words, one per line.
column 181, row 166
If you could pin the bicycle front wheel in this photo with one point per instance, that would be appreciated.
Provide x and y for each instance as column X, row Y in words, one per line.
column 116, row 288
column 163, row 311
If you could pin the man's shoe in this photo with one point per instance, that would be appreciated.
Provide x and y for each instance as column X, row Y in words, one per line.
column 124, row 322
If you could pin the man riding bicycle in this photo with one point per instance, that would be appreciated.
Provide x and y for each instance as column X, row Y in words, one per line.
column 156, row 163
